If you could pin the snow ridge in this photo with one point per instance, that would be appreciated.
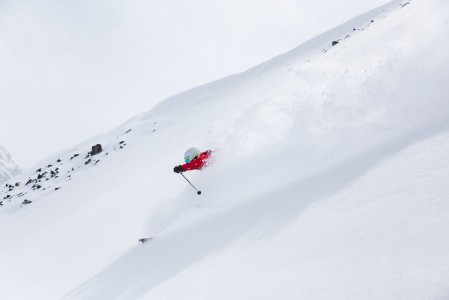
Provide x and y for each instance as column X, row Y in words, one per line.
column 8, row 168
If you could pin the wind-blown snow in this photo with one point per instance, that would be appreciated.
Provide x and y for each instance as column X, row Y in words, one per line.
column 328, row 182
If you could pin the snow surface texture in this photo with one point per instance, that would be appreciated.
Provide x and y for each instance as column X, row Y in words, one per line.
column 8, row 168
column 329, row 182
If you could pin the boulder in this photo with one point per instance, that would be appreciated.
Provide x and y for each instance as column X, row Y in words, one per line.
column 96, row 149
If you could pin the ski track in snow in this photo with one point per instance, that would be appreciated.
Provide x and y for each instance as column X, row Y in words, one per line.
column 147, row 266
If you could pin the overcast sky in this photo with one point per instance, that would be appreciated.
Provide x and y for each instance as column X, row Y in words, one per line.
column 71, row 69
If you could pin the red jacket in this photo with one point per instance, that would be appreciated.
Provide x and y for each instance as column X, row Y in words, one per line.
column 198, row 163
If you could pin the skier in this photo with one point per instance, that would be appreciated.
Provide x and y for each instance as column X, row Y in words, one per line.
column 195, row 160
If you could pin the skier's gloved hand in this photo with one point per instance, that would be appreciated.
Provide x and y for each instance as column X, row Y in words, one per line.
column 178, row 169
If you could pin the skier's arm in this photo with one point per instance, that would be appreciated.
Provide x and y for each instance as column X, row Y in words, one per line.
column 195, row 164
column 199, row 163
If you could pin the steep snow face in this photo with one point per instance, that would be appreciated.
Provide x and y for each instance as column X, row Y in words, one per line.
column 8, row 168
column 165, row 47
column 328, row 181
column 321, row 104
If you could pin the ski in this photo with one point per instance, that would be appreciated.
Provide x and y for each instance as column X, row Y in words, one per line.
column 143, row 240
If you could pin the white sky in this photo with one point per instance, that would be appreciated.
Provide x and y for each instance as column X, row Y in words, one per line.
column 71, row 69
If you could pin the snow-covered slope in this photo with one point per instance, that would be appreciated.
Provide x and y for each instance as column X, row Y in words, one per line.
column 8, row 168
column 329, row 182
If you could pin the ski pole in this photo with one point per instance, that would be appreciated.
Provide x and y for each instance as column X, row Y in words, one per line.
column 198, row 192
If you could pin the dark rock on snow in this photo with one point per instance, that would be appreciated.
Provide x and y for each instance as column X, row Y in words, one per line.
column 96, row 149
